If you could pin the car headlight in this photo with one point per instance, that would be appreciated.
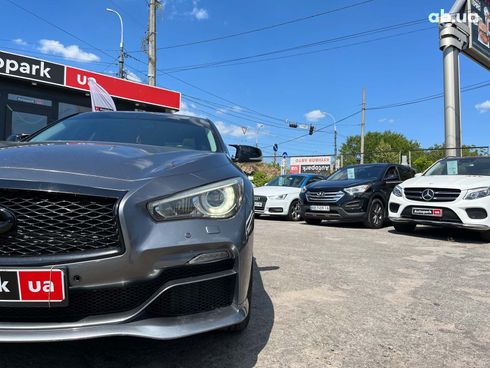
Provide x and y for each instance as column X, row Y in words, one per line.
column 278, row 197
column 398, row 191
column 217, row 200
column 477, row 193
column 357, row 190
column 303, row 190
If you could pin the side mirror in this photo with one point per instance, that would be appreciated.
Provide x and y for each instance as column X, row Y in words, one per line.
column 247, row 153
column 18, row 137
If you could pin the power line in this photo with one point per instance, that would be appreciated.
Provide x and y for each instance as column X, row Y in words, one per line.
column 429, row 98
column 255, row 30
column 301, row 46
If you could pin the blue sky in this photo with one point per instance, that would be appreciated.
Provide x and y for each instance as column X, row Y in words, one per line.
column 396, row 69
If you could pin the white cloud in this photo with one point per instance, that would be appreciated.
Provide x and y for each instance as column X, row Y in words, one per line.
column 483, row 107
column 71, row 52
column 133, row 77
column 386, row 120
column 186, row 109
column 229, row 109
column 315, row 115
column 20, row 41
column 232, row 130
column 199, row 13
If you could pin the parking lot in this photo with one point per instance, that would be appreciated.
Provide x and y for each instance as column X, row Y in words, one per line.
column 330, row 295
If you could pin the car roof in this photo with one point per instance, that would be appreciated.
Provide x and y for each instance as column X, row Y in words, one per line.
column 146, row 115
column 375, row 164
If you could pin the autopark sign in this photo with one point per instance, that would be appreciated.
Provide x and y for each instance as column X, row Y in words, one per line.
column 310, row 165
column 19, row 66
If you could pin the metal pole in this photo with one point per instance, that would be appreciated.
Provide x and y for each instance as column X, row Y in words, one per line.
column 363, row 123
column 152, row 43
column 410, row 158
column 453, row 38
column 121, row 44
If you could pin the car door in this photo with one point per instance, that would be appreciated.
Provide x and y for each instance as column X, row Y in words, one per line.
column 390, row 180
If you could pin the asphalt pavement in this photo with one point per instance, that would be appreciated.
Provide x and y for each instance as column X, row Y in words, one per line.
column 329, row 295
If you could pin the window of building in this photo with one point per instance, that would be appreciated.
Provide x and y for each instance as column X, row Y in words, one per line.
column 66, row 109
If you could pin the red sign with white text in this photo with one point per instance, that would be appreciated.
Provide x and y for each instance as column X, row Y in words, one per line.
column 41, row 285
column 122, row 88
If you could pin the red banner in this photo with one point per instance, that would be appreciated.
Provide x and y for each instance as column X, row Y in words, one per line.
column 116, row 87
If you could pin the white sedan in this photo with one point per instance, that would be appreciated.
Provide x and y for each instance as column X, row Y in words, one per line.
column 280, row 197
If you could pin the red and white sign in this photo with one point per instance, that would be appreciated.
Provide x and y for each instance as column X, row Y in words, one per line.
column 44, row 285
column 33, row 69
column 314, row 160
column 122, row 88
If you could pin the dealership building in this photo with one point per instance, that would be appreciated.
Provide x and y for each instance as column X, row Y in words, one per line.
column 35, row 92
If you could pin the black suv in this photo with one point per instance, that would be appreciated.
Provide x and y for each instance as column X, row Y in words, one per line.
column 357, row 193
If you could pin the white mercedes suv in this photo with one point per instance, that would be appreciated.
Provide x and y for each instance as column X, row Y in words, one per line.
column 454, row 192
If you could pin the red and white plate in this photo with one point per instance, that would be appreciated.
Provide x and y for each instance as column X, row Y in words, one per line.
column 32, row 286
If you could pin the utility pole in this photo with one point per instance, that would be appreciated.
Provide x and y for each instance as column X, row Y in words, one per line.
column 152, row 43
column 363, row 123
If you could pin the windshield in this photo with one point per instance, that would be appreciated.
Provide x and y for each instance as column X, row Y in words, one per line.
column 286, row 181
column 366, row 172
column 461, row 166
column 132, row 129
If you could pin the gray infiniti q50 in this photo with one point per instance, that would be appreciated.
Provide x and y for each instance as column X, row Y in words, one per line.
column 124, row 223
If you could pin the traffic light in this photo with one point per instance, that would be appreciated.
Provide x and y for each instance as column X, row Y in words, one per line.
column 312, row 130
column 293, row 124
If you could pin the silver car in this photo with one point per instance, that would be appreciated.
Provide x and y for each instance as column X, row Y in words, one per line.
column 124, row 223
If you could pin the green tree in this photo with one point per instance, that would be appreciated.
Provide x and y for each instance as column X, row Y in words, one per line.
column 378, row 147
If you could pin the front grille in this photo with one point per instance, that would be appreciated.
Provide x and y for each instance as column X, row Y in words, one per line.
column 326, row 197
column 51, row 224
column 93, row 302
column 195, row 298
column 448, row 215
column 440, row 195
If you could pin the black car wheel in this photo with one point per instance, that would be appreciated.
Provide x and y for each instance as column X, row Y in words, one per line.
column 485, row 236
column 404, row 228
column 294, row 211
column 376, row 215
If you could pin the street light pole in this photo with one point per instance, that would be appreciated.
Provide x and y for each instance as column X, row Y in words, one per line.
column 334, row 139
column 259, row 126
column 121, row 44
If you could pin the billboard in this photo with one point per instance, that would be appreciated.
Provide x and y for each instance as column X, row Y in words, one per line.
column 310, row 165
column 478, row 16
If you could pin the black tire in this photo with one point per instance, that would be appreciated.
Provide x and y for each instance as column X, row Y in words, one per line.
column 294, row 213
column 239, row 327
column 313, row 221
column 485, row 236
column 404, row 228
column 376, row 215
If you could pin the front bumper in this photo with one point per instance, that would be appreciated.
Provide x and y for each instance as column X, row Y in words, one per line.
column 347, row 209
column 274, row 208
column 151, row 250
column 459, row 217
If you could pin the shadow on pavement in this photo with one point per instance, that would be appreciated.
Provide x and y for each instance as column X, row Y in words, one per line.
column 437, row 233
column 214, row 349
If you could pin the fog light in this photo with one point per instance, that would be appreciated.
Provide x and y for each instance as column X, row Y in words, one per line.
column 210, row 257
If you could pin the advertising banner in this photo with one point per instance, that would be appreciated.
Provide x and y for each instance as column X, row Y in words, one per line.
column 478, row 15
column 310, row 165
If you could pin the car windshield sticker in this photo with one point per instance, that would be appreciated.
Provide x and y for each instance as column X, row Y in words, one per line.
column 351, row 174
column 452, row 167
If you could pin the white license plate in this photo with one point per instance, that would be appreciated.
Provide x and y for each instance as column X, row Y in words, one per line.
column 434, row 212
column 258, row 204
column 320, row 208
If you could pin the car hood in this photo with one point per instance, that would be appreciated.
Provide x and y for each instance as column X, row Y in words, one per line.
column 112, row 162
column 271, row 191
column 462, row 182
column 337, row 184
